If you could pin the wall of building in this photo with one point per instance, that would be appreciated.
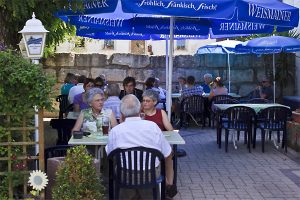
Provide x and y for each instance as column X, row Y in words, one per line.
column 296, row 3
column 246, row 70
column 124, row 46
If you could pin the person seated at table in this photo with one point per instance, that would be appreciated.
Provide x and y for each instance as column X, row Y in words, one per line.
column 129, row 88
column 113, row 102
column 149, row 83
column 191, row 88
column 207, row 80
column 263, row 90
column 217, row 88
column 153, row 84
column 181, row 84
column 69, row 82
column 150, row 99
column 77, row 89
column 99, row 83
column 90, row 119
column 134, row 132
column 80, row 100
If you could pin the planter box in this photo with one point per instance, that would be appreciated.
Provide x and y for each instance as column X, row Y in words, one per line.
column 296, row 116
column 293, row 134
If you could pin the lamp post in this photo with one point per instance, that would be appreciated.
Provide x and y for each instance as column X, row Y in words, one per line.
column 34, row 36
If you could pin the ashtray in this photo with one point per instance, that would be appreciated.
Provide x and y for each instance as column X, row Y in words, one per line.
column 77, row 134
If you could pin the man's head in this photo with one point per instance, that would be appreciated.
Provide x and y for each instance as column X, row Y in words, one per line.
column 207, row 78
column 181, row 80
column 81, row 78
column 190, row 80
column 130, row 106
column 266, row 82
column 129, row 84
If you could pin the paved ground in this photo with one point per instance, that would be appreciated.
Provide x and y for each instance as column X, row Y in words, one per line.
column 207, row 172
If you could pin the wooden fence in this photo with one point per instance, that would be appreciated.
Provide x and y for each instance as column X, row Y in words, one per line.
column 17, row 152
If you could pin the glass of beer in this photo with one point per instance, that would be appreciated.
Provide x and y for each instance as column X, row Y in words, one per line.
column 105, row 125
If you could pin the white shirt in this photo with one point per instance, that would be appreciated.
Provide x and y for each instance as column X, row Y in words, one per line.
column 135, row 132
column 77, row 89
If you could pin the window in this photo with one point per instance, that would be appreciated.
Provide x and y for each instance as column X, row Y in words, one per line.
column 180, row 45
column 109, row 44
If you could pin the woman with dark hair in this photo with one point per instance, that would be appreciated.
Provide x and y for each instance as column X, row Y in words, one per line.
column 129, row 88
column 218, row 88
column 80, row 100
column 69, row 82
column 150, row 83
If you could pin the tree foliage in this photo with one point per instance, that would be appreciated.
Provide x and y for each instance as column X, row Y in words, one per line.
column 15, row 13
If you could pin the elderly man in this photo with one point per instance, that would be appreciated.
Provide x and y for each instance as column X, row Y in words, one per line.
column 207, row 80
column 135, row 132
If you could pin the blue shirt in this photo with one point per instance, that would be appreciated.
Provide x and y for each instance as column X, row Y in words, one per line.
column 206, row 88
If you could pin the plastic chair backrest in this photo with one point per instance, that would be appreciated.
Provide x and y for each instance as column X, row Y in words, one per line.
column 63, row 104
column 239, row 117
column 221, row 97
column 134, row 168
column 63, row 127
column 226, row 101
column 275, row 117
column 193, row 104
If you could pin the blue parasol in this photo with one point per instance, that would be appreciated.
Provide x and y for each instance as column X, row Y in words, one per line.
column 270, row 45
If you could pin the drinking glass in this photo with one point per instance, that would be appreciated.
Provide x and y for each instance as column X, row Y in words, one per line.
column 105, row 125
column 142, row 115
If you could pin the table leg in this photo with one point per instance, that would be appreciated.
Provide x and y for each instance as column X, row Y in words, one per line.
column 175, row 163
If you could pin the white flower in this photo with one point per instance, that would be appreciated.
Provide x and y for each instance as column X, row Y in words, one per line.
column 91, row 126
column 38, row 180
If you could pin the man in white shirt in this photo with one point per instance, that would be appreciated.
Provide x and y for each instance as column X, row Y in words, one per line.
column 135, row 132
column 77, row 89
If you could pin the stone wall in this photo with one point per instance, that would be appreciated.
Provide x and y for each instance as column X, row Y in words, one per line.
column 246, row 70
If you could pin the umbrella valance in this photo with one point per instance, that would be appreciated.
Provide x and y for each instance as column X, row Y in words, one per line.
column 272, row 12
column 269, row 45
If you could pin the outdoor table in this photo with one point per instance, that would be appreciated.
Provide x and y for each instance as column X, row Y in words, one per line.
column 256, row 107
column 173, row 137
column 234, row 95
column 175, row 95
column 73, row 115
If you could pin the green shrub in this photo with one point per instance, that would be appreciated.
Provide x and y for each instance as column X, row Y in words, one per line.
column 76, row 177
column 23, row 84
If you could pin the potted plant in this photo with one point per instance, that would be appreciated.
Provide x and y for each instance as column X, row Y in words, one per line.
column 76, row 177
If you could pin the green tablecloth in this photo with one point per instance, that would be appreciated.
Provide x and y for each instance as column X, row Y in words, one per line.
column 255, row 107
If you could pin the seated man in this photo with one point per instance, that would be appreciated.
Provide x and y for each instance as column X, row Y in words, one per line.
column 207, row 82
column 263, row 90
column 129, row 88
column 135, row 132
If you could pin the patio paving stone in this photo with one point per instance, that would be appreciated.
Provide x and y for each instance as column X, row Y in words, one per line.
column 207, row 172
